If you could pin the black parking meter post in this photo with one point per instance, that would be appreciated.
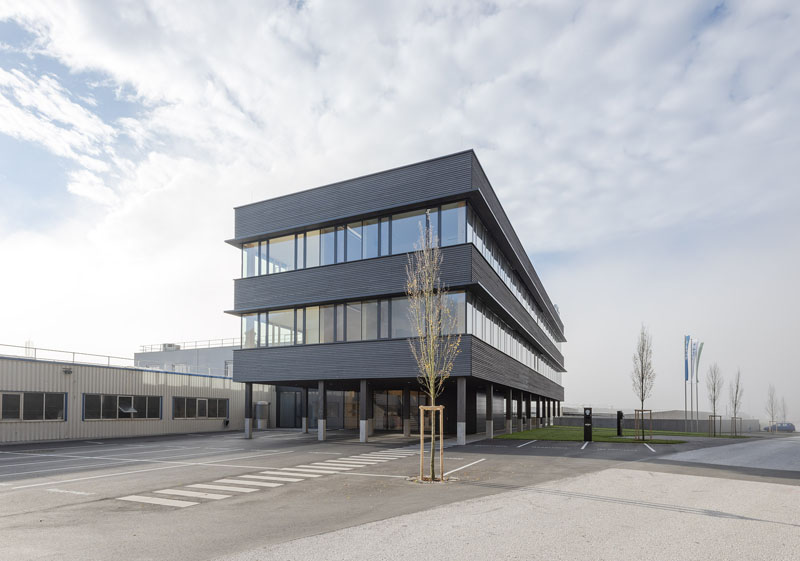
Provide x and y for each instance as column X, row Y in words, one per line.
column 587, row 424
column 620, row 416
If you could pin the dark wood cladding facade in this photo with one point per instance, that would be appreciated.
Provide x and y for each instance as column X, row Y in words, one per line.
column 455, row 177
column 381, row 276
column 437, row 179
column 508, row 238
column 494, row 366
column 385, row 359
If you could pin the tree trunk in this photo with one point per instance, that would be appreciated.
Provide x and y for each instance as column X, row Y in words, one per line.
column 433, row 441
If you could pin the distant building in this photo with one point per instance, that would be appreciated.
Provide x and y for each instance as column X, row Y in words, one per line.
column 213, row 357
column 324, row 312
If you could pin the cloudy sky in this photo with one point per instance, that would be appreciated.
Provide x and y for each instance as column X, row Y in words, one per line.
column 647, row 154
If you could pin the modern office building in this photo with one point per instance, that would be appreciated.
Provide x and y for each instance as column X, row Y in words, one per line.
column 325, row 317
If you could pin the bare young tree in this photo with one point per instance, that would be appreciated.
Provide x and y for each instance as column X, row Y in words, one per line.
column 714, row 385
column 784, row 413
column 433, row 321
column 735, row 393
column 771, row 407
column 643, row 375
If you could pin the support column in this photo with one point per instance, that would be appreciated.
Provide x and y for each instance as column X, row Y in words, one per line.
column 509, row 406
column 528, row 410
column 370, row 411
column 322, row 411
column 363, row 396
column 248, row 410
column 406, row 412
column 549, row 412
column 519, row 411
column 461, row 411
column 489, row 410
column 304, row 409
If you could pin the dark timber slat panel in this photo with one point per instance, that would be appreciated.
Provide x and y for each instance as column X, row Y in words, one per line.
column 483, row 273
column 434, row 179
column 491, row 365
column 381, row 360
column 345, row 281
column 481, row 183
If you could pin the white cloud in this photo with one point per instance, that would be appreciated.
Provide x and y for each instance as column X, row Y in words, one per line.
column 599, row 125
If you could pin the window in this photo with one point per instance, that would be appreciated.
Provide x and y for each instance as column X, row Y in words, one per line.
column 11, row 406
column 33, row 406
column 401, row 322
column 327, row 246
column 312, row 248
column 91, row 406
column 354, row 321
column 384, row 235
column 454, row 223
column 312, row 325
column 456, row 303
column 109, row 407
column 340, row 322
column 125, row 405
column 140, row 405
column 370, row 234
column 383, row 310
column 262, row 259
column 354, row 241
column 301, row 245
column 340, row 244
column 281, row 254
column 249, row 331
column 199, row 408
column 433, row 225
column 406, row 230
column 369, row 320
column 300, row 331
column 281, row 328
column 326, row 324
column 250, row 259
column 153, row 407
column 263, row 331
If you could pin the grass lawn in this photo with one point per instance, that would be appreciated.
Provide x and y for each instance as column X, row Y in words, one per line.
column 576, row 434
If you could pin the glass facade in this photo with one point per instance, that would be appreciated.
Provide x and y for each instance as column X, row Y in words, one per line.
column 281, row 254
column 406, row 231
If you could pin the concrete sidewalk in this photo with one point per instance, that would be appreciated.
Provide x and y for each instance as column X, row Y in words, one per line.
column 612, row 514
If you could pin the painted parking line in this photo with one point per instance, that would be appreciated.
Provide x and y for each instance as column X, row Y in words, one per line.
column 464, row 467
column 222, row 487
column 526, row 443
column 192, row 494
column 585, row 444
column 157, row 501
column 240, row 482
column 273, row 478
column 648, row 446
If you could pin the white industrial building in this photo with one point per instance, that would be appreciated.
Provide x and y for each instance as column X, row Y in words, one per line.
column 54, row 395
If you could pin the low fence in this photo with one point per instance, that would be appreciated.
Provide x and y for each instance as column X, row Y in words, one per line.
column 678, row 425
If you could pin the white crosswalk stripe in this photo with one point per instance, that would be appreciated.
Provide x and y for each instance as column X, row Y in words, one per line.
column 193, row 494
column 272, row 478
column 255, row 483
column 334, row 466
column 306, row 471
column 157, row 501
column 223, row 488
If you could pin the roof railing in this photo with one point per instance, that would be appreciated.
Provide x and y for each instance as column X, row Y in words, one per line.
column 54, row 355
column 190, row 345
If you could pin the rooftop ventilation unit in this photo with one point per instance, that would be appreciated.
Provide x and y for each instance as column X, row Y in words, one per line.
column 170, row 347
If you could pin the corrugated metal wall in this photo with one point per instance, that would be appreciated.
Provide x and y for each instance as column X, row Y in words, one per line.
column 26, row 375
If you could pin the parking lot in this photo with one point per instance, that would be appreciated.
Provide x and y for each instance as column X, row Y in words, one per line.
column 208, row 496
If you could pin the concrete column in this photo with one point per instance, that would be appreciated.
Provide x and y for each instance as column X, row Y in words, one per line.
column 461, row 411
column 322, row 411
column 406, row 412
column 549, row 412
column 304, row 409
column 489, row 410
column 509, row 408
column 539, row 412
column 370, row 411
column 519, row 411
column 363, row 395
column 248, row 410
column 528, row 411
column 559, row 408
